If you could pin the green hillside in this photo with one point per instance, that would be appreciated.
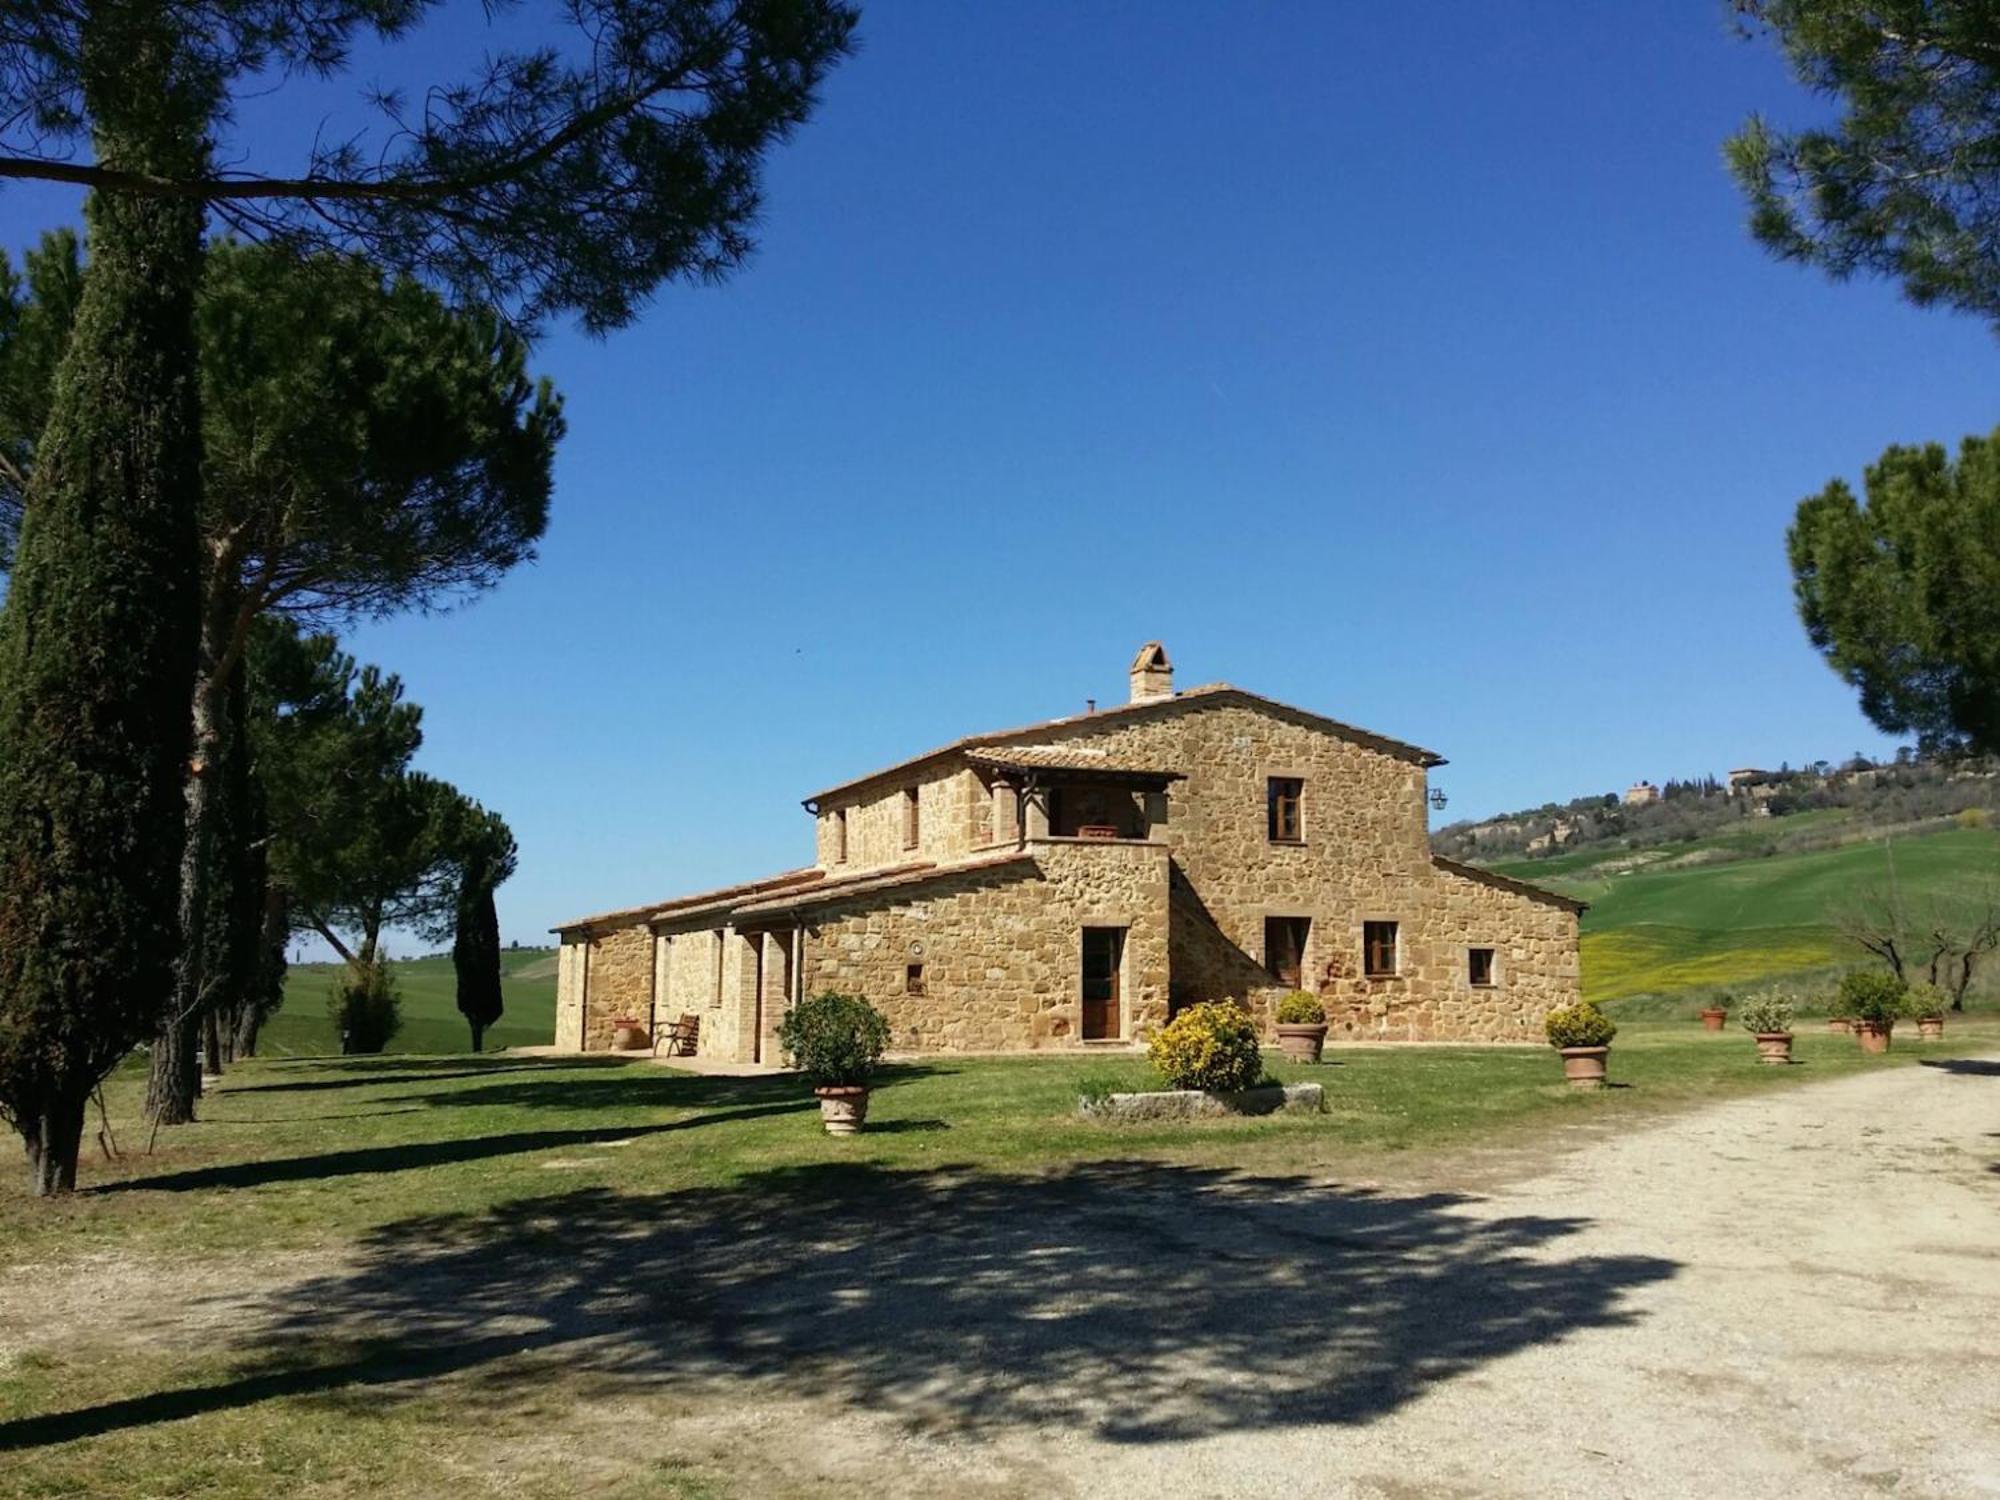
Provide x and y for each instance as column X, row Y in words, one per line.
column 431, row 1022
column 1709, row 914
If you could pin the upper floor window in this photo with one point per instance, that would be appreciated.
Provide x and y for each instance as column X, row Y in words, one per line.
column 1479, row 966
column 911, row 828
column 1281, row 798
column 1378, row 949
column 840, row 835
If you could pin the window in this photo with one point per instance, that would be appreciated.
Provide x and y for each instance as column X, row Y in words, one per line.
column 910, row 826
column 840, row 836
column 1281, row 798
column 1378, row 949
column 913, row 979
column 1285, row 948
column 1103, row 956
column 1480, row 966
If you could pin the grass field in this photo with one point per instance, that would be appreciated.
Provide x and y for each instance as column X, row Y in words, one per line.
column 1652, row 931
column 431, row 1022
column 317, row 1195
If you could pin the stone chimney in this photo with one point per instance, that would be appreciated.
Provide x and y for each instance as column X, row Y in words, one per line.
column 1152, row 674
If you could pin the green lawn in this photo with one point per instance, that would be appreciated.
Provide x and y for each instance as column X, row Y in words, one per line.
column 478, row 1230
column 1660, row 931
column 431, row 1022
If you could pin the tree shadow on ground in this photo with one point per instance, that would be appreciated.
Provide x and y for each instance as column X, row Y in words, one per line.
column 1978, row 1067
column 1135, row 1302
column 640, row 1088
column 356, row 1073
column 412, row 1155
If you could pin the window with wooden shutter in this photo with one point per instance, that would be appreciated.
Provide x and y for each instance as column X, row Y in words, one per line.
column 1285, row 948
column 1284, row 821
column 1378, row 949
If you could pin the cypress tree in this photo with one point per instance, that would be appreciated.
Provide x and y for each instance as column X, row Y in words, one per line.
column 97, row 638
column 475, row 956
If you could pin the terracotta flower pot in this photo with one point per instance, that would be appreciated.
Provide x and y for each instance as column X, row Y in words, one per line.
column 629, row 1036
column 1873, row 1035
column 1712, row 1019
column 1929, row 1028
column 842, row 1110
column 1839, row 1023
column 1774, row 1048
column 1300, row 1041
column 1584, row 1066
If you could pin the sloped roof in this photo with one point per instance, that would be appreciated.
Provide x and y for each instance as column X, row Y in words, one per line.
column 721, row 895
column 1061, row 758
column 871, row 882
column 1208, row 694
column 1508, row 883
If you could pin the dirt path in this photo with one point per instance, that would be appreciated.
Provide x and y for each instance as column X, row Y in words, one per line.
column 1794, row 1295
column 1831, row 1326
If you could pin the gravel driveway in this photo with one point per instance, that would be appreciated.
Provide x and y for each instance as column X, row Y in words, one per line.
column 1793, row 1295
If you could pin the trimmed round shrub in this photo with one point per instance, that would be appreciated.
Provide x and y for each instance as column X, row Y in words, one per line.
column 1211, row 1046
column 365, row 1008
column 1766, row 1015
column 836, row 1040
column 1872, row 996
column 1579, row 1025
column 1301, row 1008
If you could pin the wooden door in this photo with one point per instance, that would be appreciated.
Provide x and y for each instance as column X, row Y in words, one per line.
column 1103, row 955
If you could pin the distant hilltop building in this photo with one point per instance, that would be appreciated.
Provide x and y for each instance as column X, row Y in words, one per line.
column 1073, row 882
column 1639, row 793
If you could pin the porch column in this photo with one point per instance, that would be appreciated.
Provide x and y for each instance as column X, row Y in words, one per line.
column 1035, row 811
column 742, row 953
column 777, row 982
column 663, row 969
column 1006, row 813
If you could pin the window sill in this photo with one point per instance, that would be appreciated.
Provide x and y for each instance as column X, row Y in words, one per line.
column 1287, row 843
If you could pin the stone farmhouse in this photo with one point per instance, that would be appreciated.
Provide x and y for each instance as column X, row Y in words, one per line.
column 1073, row 883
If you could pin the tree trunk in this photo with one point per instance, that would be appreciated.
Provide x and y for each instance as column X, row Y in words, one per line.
column 173, row 1088
column 478, row 1037
column 53, row 1137
column 211, row 1042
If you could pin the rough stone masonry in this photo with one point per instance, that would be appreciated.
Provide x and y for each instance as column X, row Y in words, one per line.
column 1072, row 883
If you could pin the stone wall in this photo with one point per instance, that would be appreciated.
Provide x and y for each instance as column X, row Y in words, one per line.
column 954, row 816
column 619, row 982
column 1001, row 949
column 1364, row 855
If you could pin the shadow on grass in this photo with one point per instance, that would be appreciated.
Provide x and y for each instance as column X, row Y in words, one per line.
column 1136, row 1302
column 417, row 1154
column 646, row 1087
column 373, row 1073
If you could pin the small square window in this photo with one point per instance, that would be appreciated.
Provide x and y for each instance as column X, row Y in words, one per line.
column 913, row 979
column 1378, row 949
column 1479, row 967
column 911, row 828
column 1283, row 818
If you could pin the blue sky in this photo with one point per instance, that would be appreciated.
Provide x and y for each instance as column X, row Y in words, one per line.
column 1411, row 364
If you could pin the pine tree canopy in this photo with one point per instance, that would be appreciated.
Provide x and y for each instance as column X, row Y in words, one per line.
column 1906, row 184
column 1902, row 594
column 365, row 447
column 573, row 176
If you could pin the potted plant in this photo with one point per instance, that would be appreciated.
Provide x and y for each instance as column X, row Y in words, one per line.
column 1582, row 1034
column 1926, row 1006
column 1875, row 1001
column 836, row 1041
column 1769, row 1019
column 1713, row 1016
column 628, row 1034
column 1301, row 1026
